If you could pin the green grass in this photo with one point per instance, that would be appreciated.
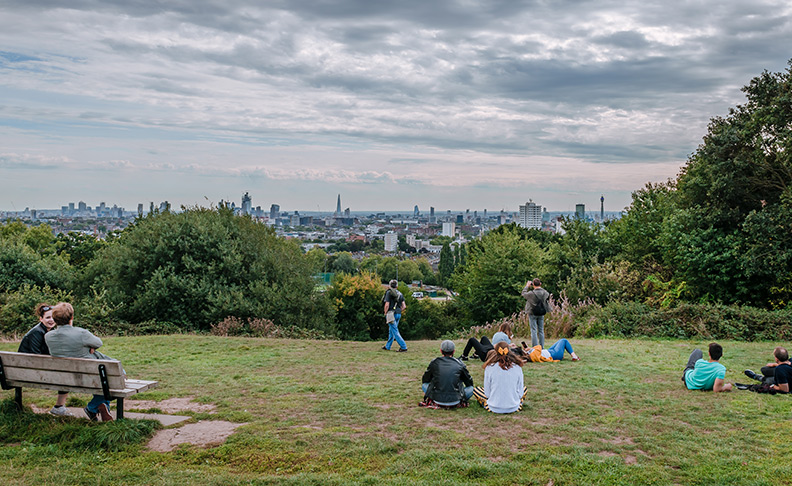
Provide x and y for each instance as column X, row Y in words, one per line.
column 336, row 413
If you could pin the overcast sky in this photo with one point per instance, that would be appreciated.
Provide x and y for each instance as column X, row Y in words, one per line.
column 452, row 104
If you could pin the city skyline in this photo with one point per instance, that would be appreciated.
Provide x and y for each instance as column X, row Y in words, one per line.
column 448, row 104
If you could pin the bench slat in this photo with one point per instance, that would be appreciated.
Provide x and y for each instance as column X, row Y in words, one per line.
column 44, row 362
column 81, row 380
column 120, row 393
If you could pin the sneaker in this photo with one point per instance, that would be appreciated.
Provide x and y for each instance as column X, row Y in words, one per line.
column 91, row 415
column 576, row 359
column 474, row 356
column 386, row 349
column 463, row 358
column 105, row 413
column 741, row 386
column 61, row 412
column 402, row 350
column 751, row 374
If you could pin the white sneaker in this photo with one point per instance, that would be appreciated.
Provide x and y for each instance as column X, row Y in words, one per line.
column 61, row 412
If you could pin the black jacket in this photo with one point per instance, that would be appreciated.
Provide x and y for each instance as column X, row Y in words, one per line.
column 33, row 342
column 446, row 376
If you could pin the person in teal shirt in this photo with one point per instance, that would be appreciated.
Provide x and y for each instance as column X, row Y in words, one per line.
column 701, row 374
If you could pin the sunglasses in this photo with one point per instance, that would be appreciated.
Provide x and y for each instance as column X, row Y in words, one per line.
column 46, row 308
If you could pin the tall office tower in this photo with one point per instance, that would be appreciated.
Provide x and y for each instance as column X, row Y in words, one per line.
column 431, row 212
column 459, row 219
column 415, row 211
column 338, row 205
column 274, row 211
column 391, row 241
column 449, row 229
column 346, row 213
column 467, row 214
column 602, row 209
column 580, row 211
column 81, row 206
column 530, row 215
column 71, row 208
column 247, row 203
column 140, row 209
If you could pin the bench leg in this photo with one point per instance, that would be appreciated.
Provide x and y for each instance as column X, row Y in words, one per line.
column 120, row 409
column 18, row 398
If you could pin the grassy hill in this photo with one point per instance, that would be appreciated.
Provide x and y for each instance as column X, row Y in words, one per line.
column 327, row 413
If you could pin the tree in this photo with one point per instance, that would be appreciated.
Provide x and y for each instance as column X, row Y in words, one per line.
column 446, row 266
column 357, row 301
column 197, row 267
column 343, row 263
column 497, row 268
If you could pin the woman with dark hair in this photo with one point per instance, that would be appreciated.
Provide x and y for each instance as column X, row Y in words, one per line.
column 484, row 346
column 503, row 390
column 34, row 343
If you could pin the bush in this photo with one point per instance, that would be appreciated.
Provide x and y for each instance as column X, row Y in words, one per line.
column 196, row 267
column 233, row 326
column 358, row 305
column 427, row 319
column 17, row 310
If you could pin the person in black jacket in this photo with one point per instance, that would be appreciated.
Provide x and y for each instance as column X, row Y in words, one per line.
column 446, row 381
column 34, row 343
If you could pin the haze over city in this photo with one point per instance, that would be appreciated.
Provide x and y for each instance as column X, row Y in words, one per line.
column 447, row 104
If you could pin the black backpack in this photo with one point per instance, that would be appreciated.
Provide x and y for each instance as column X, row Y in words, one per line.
column 539, row 309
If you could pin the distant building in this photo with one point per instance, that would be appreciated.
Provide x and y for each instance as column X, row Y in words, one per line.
column 530, row 215
column 338, row 205
column 140, row 209
column 449, row 229
column 247, row 204
column 391, row 241
column 602, row 209
column 274, row 211
column 580, row 211
column 416, row 212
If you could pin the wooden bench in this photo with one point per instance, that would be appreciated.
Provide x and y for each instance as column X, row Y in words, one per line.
column 77, row 375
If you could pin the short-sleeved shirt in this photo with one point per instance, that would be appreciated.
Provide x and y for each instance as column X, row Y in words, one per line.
column 394, row 298
column 704, row 374
column 783, row 374
column 500, row 336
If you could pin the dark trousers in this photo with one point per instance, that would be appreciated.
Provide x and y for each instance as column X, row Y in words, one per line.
column 482, row 347
column 694, row 356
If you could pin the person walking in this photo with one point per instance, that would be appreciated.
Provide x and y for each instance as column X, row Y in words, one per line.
column 537, row 304
column 394, row 306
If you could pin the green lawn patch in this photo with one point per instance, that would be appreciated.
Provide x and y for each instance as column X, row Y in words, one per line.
column 329, row 412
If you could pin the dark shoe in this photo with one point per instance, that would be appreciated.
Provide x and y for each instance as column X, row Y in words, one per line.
column 91, row 415
column 474, row 356
column 463, row 358
column 402, row 350
column 105, row 413
column 386, row 349
column 741, row 386
column 751, row 374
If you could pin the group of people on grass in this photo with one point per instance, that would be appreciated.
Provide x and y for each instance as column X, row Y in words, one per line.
column 56, row 335
column 710, row 374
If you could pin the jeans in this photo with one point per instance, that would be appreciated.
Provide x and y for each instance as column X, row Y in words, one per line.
column 696, row 355
column 468, row 394
column 557, row 350
column 537, row 329
column 393, row 333
column 93, row 405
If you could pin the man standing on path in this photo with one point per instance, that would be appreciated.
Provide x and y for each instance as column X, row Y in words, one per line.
column 701, row 374
column 537, row 304
column 394, row 307
column 446, row 380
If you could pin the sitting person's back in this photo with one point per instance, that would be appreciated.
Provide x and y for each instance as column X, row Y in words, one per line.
column 67, row 341
column 447, row 381
column 503, row 390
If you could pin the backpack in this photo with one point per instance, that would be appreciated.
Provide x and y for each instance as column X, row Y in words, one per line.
column 539, row 309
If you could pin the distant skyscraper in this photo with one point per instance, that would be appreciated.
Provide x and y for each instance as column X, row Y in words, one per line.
column 431, row 212
column 580, row 211
column 140, row 209
column 449, row 229
column 530, row 215
column 274, row 211
column 338, row 205
column 602, row 209
column 247, row 203
column 415, row 211
column 81, row 206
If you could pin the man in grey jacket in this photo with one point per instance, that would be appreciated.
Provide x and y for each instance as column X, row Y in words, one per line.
column 537, row 304
column 68, row 341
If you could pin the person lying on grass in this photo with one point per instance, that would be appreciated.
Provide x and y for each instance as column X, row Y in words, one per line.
column 484, row 346
column 701, row 374
column 553, row 353
column 503, row 390
column 778, row 374
column 446, row 382
column 34, row 343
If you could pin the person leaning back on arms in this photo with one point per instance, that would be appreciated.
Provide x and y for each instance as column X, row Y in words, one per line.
column 701, row 374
